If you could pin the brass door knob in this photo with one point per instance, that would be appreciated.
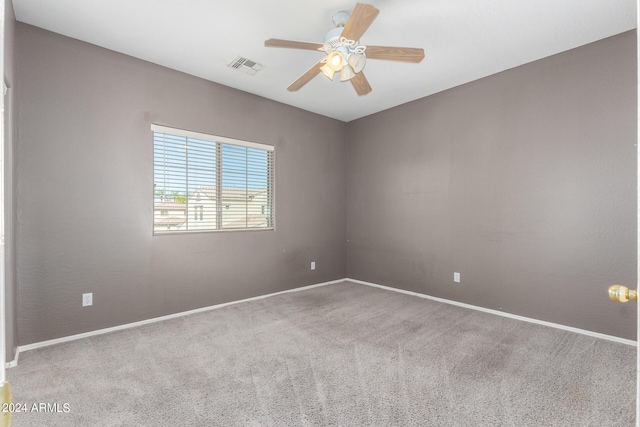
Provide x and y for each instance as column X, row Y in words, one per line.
column 621, row 293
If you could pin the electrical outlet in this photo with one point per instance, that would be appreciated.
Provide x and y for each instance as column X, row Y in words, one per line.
column 456, row 277
column 313, row 265
column 87, row 299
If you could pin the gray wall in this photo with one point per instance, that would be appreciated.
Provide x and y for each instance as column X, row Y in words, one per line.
column 524, row 182
column 10, row 184
column 85, row 192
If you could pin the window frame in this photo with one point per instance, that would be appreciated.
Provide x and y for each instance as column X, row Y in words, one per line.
column 218, row 140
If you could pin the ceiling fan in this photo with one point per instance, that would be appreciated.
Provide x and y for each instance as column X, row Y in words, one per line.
column 344, row 52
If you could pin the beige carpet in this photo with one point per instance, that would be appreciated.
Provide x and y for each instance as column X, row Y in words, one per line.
column 343, row 354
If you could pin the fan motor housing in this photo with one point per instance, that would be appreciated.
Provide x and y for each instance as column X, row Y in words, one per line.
column 332, row 38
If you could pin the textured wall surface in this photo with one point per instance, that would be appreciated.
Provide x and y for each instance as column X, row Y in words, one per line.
column 524, row 182
column 85, row 192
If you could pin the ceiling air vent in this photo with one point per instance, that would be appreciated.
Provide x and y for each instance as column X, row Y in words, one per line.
column 245, row 65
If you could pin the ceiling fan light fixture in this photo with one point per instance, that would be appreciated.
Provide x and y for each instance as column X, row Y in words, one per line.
column 335, row 61
column 347, row 73
column 327, row 71
column 357, row 62
column 344, row 52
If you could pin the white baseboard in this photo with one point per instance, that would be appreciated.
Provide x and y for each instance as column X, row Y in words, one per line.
column 503, row 314
column 14, row 362
column 47, row 343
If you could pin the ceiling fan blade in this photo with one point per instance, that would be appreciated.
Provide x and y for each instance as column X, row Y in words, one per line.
column 361, row 17
column 403, row 54
column 292, row 44
column 306, row 77
column 360, row 84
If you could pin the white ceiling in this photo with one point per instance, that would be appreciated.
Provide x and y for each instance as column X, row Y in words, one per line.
column 463, row 40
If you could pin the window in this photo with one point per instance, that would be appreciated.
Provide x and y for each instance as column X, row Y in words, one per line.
column 210, row 182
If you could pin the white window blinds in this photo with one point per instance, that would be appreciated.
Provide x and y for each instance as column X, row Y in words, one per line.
column 205, row 182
